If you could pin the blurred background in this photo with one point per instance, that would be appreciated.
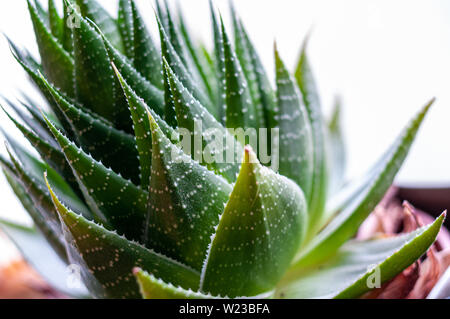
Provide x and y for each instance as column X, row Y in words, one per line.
column 385, row 59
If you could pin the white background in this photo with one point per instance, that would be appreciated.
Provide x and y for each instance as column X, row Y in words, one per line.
column 384, row 58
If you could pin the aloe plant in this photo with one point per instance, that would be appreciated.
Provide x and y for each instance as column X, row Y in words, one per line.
column 114, row 193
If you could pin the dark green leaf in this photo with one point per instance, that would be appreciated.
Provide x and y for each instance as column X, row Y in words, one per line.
column 176, row 64
column 178, row 42
column 219, row 65
column 175, row 39
column 92, row 10
column 126, row 27
column 217, row 143
column 240, row 112
column 161, row 14
column 43, row 14
column 147, row 58
column 33, row 122
column 115, row 201
column 37, row 79
column 306, row 82
column 114, row 148
column 49, row 152
column 32, row 107
column 153, row 96
column 43, row 214
column 169, row 105
column 27, row 237
column 69, row 23
column 185, row 202
column 107, row 260
column 244, row 55
column 259, row 233
column 31, row 173
column 56, row 22
column 268, row 96
column 23, row 55
column 58, row 65
column 198, row 59
column 7, row 166
column 96, row 87
column 296, row 148
column 139, row 113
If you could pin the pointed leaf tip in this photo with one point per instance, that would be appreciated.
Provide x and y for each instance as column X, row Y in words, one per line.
column 263, row 225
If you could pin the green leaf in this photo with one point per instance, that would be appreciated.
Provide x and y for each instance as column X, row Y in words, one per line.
column 296, row 148
column 33, row 122
column 92, row 10
column 352, row 271
column 106, row 144
column 147, row 58
column 268, row 96
column 43, row 14
column 23, row 55
column 33, row 73
column 176, row 64
column 185, row 202
column 139, row 113
column 306, row 82
column 58, row 65
column 169, row 110
column 126, row 27
column 219, row 55
column 116, row 202
column 36, row 112
column 7, row 166
column 244, row 55
column 240, row 112
column 69, row 22
column 161, row 14
column 107, row 259
column 48, row 151
column 43, row 214
column 198, row 59
column 33, row 109
column 153, row 96
column 347, row 222
column 56, row 22
column 153, row 288
column 214, row 152
column 51, row 237
column 96, row 87
column 178, row 42
column 336, row 147
column 259, row 233
column 31, row 171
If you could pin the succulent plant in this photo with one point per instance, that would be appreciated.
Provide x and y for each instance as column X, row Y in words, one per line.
column 114, row 193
